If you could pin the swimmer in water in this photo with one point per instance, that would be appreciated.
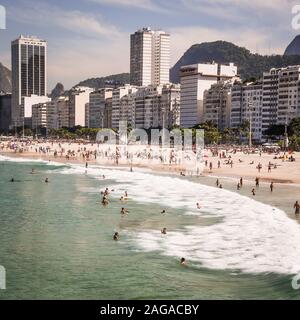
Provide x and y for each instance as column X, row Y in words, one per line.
column 105, row 200
column 126, row 195
column 164, row 231
column 183, row 262
column 116, row 236
column 198, row 205
column 12, row 180
column 32, row 171
column 253, row 192
column 164, row 211
column 46, row 180
column 124, row 211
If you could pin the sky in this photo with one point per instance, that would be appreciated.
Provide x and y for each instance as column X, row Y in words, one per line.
column 90, row 38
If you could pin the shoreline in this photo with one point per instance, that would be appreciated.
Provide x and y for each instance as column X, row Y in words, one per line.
column 289, row 190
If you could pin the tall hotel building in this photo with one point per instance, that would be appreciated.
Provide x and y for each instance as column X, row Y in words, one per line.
column 149, row 57
column 29, row 72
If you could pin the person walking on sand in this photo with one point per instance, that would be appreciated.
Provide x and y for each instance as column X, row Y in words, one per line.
column 210, row 166
column 272, row 186
column 297, row 207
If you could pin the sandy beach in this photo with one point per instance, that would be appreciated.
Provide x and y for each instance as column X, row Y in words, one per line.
column 234, row 165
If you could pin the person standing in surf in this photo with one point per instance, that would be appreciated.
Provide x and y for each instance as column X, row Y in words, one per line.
column 297, row 207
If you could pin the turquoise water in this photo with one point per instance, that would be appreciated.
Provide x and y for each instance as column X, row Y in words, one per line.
column 56, row 243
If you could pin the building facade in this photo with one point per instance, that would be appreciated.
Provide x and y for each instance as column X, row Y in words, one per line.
column 97, row 107
column 195, row 79
column 149, row 57
column 217, row 104
column 29, row 72
column 121, row 106
column 247, row 106
column 26, row 107
column 78, row 98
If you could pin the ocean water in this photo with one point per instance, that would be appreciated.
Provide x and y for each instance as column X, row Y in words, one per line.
column 56, row 238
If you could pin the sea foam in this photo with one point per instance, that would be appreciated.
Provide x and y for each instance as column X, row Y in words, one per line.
column 250, row 236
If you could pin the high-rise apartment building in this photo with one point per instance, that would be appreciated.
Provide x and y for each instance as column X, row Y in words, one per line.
column 149, row 57
column 281, row 96
column 217, row 104
column 78, row 98
column 121, row 110
column 247, row 106
column 170, row 106
column 195, row 79
column 147, row 107
column 97, row 103
column 29, row 72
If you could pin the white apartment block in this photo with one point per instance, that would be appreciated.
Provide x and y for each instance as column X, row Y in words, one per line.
column 26, row 107
column 217, row 104
column 78, row 98
column 270, row 98
column 39, row 115
column 52, row 114
column 119, row 106
column 288, row 94
column 147, row 107
column 149, row 57
column 97, row 107
column 281, row 96
column 246, row 106
column 170, row 105
column 58, row 113
column 195, row 79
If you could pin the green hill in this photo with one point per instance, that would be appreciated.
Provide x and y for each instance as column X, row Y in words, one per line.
column 249, row 65
column 112, row 80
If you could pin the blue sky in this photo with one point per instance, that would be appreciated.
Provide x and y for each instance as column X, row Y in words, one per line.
column 89, row 38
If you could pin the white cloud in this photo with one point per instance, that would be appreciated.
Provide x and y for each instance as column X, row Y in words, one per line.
column 238, row 10
column 139, row 4
column 76, row 21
